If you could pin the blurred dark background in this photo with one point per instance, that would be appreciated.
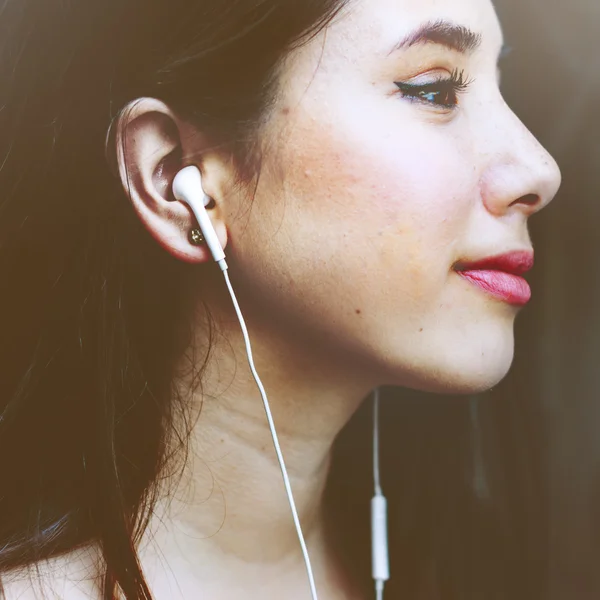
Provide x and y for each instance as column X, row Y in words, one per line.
column 497, row 497
column 552, row 81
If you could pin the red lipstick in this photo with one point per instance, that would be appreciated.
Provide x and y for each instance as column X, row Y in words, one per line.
column 500, row 276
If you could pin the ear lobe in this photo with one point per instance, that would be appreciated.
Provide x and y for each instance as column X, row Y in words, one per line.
column 149, row 151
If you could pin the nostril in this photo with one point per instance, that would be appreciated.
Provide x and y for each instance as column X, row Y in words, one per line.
column 528, row 200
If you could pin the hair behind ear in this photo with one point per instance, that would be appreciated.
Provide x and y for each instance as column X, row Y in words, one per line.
column 94, row 312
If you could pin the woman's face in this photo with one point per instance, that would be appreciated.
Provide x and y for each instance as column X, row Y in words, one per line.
column 391, row 162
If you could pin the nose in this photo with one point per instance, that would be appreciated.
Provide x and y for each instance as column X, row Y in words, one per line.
column 521, row 175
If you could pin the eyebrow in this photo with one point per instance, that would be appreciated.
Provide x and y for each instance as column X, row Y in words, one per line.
column 443, row 33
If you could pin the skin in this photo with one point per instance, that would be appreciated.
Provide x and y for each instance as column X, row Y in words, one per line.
column 343, row 265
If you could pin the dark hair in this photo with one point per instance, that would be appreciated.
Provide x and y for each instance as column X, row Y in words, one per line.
column 94, row 313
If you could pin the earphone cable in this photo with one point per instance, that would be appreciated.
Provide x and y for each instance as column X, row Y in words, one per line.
column 286, row 481
column 376, row 479
column 379, row 544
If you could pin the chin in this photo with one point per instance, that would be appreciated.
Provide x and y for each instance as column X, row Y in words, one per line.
column 477, row 381
column 465, row 381
column 468, row 369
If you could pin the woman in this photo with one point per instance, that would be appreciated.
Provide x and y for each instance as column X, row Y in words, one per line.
column 371, row 190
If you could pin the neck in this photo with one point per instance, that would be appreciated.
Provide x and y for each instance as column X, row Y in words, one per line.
column 230, row 506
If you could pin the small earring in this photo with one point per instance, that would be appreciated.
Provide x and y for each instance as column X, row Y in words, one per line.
column 196, row 237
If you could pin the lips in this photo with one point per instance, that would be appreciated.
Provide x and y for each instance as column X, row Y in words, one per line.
column 500, row 276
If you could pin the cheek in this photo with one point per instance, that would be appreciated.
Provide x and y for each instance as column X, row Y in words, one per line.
column 365, row 194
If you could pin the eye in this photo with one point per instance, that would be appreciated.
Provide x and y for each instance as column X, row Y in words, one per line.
column 441, row 93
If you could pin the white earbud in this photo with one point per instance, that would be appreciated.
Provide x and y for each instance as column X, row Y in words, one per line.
column 187, row 187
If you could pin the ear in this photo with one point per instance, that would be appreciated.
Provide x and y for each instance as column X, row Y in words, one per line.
column 150, row 145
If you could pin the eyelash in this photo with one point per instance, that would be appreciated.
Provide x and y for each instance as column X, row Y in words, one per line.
column 446, row 89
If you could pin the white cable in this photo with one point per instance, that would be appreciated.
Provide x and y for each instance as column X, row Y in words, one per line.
column 379, row 542
column 286, row 481
column 376, row 441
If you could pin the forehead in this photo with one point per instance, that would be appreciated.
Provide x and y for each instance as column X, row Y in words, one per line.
column 377, row 25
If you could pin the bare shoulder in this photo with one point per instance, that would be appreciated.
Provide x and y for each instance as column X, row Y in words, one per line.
column 73, row 576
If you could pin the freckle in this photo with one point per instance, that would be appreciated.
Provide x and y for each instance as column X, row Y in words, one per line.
column 285, row 110
column 420, row 330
